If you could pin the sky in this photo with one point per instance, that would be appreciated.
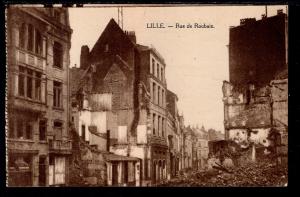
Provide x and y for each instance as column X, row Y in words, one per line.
column 196, row 58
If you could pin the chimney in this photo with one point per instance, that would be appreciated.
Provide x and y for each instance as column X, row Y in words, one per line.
column 247, row 21
column 108, row 140
column 84, row 57
column 131, row 36
column 280, row 11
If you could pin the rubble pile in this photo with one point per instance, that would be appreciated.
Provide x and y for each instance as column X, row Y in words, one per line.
column 247, row 175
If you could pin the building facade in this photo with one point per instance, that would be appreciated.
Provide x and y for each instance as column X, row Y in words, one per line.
column 39, row 146
column 257, row 57
column 126, row 82
column 173, row 134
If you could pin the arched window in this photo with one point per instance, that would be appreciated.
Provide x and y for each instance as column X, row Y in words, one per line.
column 22, row 36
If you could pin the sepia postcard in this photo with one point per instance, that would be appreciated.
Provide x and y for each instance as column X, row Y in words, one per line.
column 146, row 95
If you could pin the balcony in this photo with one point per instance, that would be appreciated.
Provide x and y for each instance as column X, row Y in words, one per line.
column 60, row 146
column 157, row 140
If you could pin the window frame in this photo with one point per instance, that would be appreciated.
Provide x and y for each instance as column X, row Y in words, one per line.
column 57, row 94
column 58, row 55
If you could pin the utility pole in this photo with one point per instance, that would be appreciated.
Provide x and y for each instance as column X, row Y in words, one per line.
column 120, row 17
column 266, row 8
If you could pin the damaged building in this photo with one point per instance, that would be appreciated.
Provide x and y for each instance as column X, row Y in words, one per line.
column 256, row 96
column 120, row 90
column 38, row 141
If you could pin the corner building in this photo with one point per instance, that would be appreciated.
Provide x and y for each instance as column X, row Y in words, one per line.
column 38, row 44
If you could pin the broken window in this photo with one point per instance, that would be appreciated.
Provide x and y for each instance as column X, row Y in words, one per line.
column 57, row 94
column 57, row 55
column 42, row 130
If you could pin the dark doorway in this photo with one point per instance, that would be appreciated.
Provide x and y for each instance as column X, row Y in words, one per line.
column 114, row 174
column 42, row 171
column 154, row 172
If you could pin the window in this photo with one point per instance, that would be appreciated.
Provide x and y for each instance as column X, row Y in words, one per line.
column 58, row 129
column 158, row 95
column 106, row 48
column 83, row 132
column 162, row 74
column 30, row 38
column 158, row 125
column 56, row 15
column 21, row 84
column 28, row 131
column 163, row 97
column 153, row 66
column 29, row 83
column 11, row 130
column 38, row 89
column 153, row 124
column 57, row 94
column 153, row 91
column 42, row 130
column 57, row 55
column 22, row 36
column 157, row 67
column 38, row 42
column 20, row 129
column 24, row 129
column 162, row 127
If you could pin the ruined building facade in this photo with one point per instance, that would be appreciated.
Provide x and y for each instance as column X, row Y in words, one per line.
column 38, row 44
column 124, row 84
column 255, row 98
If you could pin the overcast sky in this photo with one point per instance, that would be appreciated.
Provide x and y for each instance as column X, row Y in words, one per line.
column 197, row 59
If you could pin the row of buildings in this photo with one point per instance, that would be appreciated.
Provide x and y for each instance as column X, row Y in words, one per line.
column 112, row 121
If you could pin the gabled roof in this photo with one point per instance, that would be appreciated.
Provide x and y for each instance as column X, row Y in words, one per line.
column 111, row 28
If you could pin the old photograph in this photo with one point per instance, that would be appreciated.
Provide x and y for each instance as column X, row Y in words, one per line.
column 145, row 95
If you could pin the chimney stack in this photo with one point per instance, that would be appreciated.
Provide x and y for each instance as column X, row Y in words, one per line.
column 131, row 36
column 84, row 57
column 280, row 11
